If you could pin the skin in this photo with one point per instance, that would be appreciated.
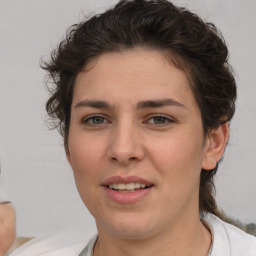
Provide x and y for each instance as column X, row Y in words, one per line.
column 169, row 151
column 7, row 227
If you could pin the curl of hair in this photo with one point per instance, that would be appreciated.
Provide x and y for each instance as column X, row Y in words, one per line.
column 194, row 46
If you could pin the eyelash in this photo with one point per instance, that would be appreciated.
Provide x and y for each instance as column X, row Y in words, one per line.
column 167, row 120
column 93, row 117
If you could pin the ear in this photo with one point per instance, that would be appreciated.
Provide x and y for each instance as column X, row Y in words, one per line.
column 68, row 154
column 215, row 145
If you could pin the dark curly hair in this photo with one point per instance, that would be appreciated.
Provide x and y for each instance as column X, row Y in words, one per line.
column 192, row 45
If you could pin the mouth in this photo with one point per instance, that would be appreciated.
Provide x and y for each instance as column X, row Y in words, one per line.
column 127, row 190
column 129, row 187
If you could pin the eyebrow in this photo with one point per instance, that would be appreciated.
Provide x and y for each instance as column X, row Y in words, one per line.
column 141, row 105
column 159, row 103
column 93, row 104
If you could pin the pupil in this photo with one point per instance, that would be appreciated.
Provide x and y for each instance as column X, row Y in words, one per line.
column 97, row 120
column 159, row 120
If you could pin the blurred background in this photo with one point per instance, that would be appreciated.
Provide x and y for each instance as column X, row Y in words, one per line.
column 35, row 174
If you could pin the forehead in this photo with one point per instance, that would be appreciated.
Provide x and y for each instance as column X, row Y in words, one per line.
column 132, row 75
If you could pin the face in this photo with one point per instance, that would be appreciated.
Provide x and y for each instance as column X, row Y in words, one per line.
column 136, row 143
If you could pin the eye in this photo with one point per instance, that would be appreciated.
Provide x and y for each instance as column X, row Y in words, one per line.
column 95, row 120
column 159, row 120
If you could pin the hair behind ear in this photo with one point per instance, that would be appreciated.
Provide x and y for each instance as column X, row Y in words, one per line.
column 207, row 202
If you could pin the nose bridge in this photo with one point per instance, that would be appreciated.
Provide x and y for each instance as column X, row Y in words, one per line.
column 125, row 144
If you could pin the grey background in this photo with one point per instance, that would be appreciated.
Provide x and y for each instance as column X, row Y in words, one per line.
column 35, row 173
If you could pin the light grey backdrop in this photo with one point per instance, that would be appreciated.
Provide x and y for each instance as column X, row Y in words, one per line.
column 35, row 173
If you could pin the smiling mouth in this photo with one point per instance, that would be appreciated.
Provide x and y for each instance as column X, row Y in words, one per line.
column 129, row 187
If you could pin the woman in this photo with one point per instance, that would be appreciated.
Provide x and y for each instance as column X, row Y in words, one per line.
column 143, row 97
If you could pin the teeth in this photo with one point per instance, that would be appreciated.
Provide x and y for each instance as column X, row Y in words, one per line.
column 129, row 186
column 137, row 185
column 142, row 185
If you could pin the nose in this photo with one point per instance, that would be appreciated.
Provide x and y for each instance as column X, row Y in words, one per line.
column 125, row 145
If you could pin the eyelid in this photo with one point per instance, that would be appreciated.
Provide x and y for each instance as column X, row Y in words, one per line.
column 168, row 118
column 85, row 119
column 107, row 118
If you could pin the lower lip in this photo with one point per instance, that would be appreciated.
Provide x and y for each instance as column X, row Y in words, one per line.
column 127, row 197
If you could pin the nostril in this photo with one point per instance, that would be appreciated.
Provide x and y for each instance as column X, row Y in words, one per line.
column 124, row 160
column 114, row 158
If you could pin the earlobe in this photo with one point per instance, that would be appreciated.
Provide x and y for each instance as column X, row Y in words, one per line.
column 215, row 146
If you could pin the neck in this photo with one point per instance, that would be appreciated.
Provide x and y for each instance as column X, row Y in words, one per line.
column 186, row 238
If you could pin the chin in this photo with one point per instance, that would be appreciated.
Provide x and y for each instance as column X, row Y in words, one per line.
column 128, row 226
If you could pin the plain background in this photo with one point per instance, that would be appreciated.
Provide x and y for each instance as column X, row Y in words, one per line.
column 35, row 174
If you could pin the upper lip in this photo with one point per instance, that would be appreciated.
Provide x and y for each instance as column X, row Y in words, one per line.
column 125, row 180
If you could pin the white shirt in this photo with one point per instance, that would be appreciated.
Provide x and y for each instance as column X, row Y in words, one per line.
column 227, row 241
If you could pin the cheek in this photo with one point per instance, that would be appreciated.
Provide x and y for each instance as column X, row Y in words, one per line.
column 178, row 165
column 177, row 155
column 85, row 154
column 84, row 160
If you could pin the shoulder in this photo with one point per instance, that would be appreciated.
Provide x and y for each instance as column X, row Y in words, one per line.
column 230, row 240
column 56, row 245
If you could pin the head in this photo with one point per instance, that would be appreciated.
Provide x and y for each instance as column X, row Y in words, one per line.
column 190, row 44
